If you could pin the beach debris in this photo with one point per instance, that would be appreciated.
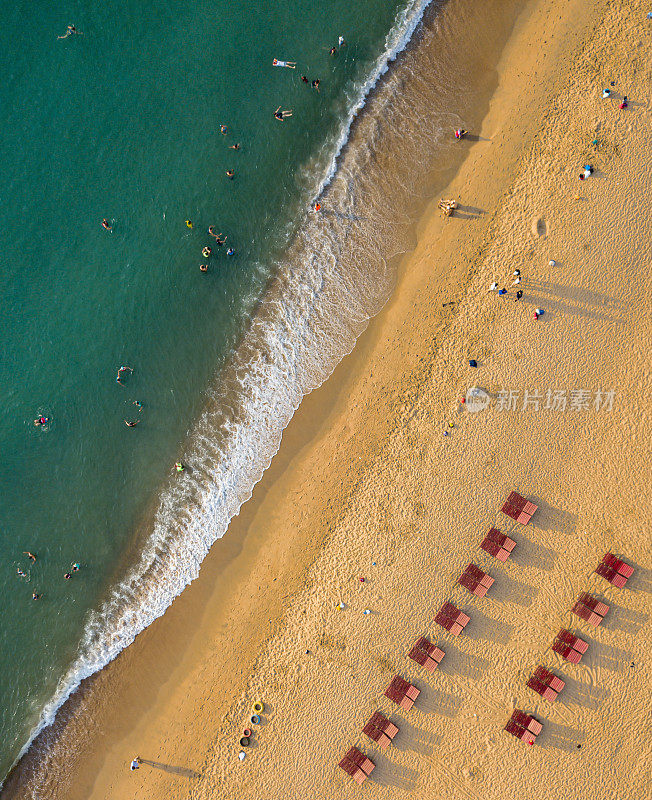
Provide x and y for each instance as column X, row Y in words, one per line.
column 552, row 263
column 493, row 287
column 473, row 362
column 538, row 313
column 366, row 611
column 501, row 292
column 447, row 207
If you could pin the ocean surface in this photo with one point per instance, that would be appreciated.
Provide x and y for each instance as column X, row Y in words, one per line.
column 123, row 123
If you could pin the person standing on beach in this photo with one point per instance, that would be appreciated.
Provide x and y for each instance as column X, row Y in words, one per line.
column 135, row 764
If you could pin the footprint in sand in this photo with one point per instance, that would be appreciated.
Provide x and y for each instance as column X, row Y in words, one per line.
column 539, row 227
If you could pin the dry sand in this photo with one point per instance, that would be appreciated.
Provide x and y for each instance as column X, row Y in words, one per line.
column 375, row 489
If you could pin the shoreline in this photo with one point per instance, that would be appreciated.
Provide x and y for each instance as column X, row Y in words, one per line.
column 303, row 453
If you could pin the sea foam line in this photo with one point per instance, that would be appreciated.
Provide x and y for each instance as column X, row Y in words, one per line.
column 250, row 417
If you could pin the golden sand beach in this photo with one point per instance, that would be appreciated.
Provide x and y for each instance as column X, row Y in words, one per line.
column 385, row 475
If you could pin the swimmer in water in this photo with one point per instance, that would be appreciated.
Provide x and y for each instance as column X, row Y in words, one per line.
column 315, row 84
column 230, row 174
column 234, row 146
column 71, row 31
column 304, row 79
column 36, row 596
column 119, row 375
column 340, row 41
column 41, row 421
column 131, row 424
column 220, row 239
column 223, row 130
column 230, row 252
column 138, row 405
column 203, row 267
column 75, row 567
column 21, row 573
column 189, row 223
column 206, row 252
column 281, row 115
column 288, row 64
column 29, row 555
column 179, row 466
column 107, row 225
column 332, row 51
column 67, row 576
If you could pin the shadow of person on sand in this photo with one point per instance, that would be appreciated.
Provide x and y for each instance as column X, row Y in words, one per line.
column 184, row 772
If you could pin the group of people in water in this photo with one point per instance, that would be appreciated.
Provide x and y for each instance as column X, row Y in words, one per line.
column 74, row 567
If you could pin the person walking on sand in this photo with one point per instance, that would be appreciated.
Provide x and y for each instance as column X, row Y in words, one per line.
column 282, row 115
column 288, row 64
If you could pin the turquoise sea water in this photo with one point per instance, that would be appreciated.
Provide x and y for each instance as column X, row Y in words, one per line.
column 123, row 122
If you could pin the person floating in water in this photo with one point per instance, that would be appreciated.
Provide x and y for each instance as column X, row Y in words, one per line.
column 107, row 225
column 230, row 251
column 138, row 405
column 235, row 146
column 203, row 267
column 282, row 115
column 230, row 174
column 36, row 596
column 20, row 573
column 131, row 424
column 332, row 51
column 189, row 223
column 76, row 567
column 288, row 64
column 304, row 79
column 71, row 31
column 315, row 84
column 206, row 251
column 223, row 130
column 119, row 375
column 29, row 555
column 220, row 239
column 41, row 420
column 67, row 576
column 179, row 467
